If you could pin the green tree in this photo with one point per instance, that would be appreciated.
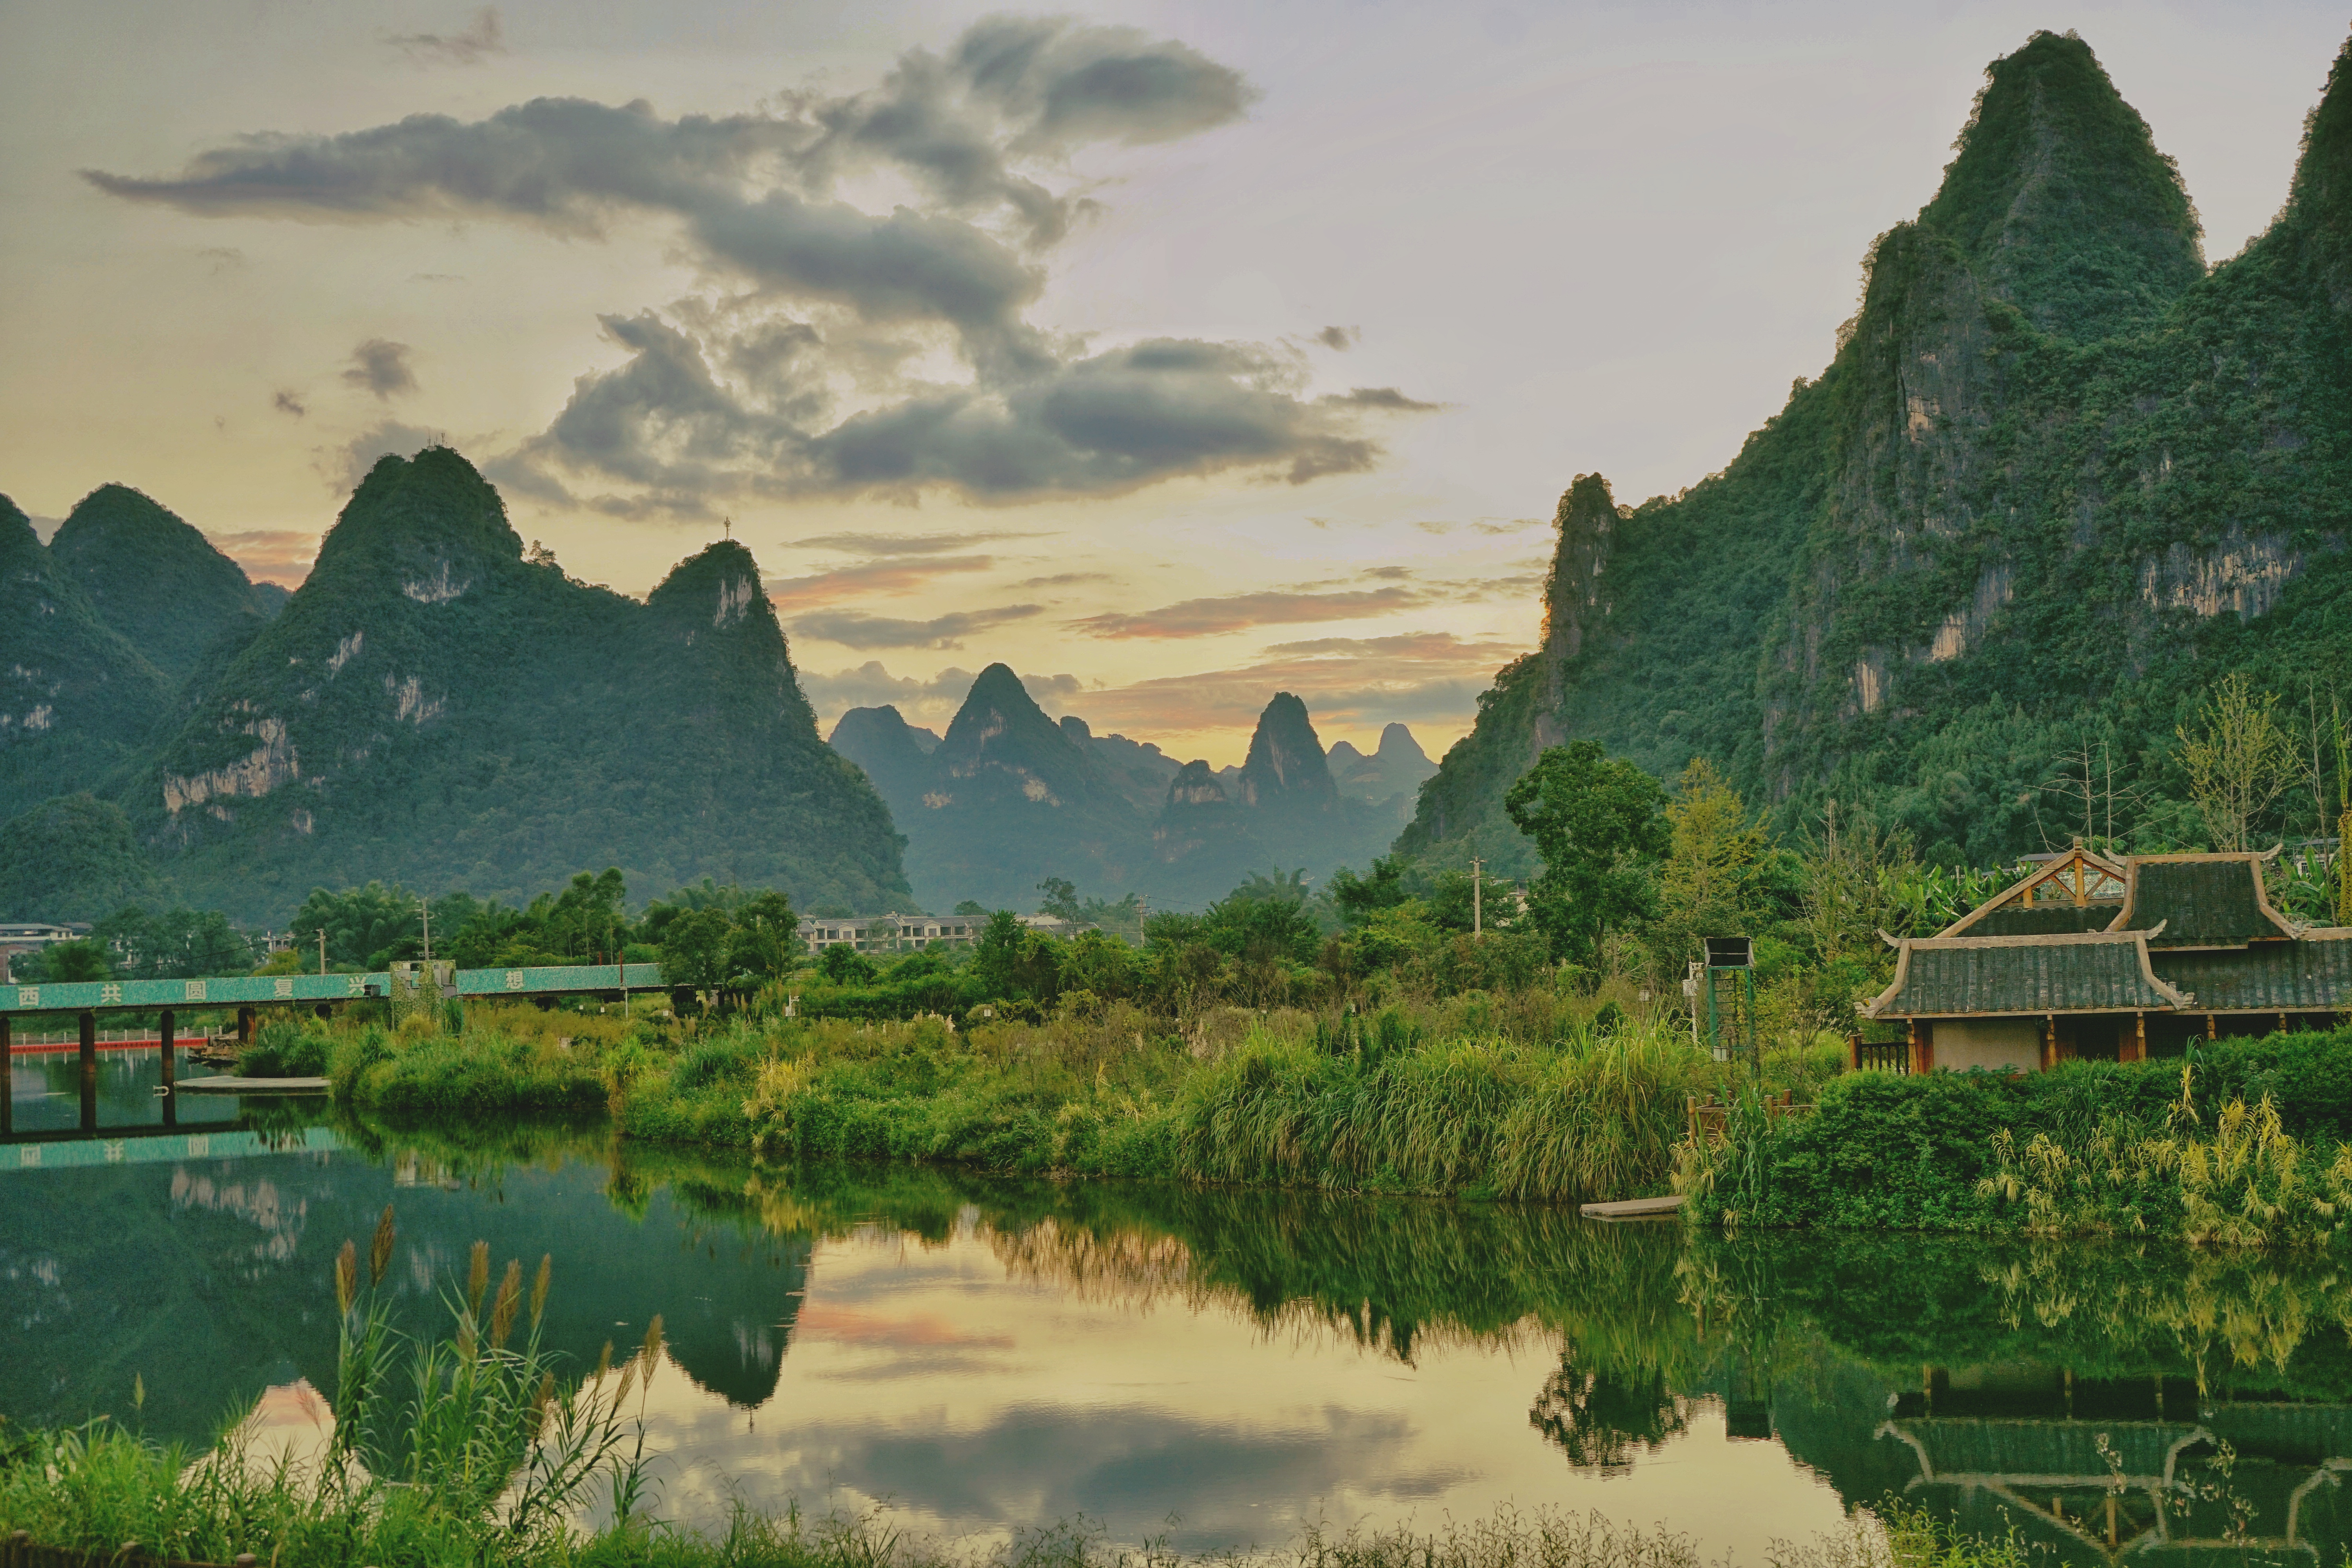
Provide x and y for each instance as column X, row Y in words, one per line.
column 766, row 940
column 695, row 949
column 2239, row 761
column 1012, row 960
column 843, row 964
column 1061, row 899
column 68, row 962
column 360, row 923
column 1595, row 821
column 1708, row 883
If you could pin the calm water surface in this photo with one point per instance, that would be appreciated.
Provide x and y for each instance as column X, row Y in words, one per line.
column 1216, row 1369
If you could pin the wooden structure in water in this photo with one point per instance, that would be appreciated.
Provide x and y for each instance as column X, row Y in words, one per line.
column 2092, row 958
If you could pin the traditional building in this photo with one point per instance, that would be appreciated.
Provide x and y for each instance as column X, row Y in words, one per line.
column 2116, row 959
column 889, row 933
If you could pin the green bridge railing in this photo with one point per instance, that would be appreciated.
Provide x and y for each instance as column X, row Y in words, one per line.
column 252, row 990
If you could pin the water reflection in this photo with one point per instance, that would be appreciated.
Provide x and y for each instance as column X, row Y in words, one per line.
column 1217, row 1368
column 45, row 1091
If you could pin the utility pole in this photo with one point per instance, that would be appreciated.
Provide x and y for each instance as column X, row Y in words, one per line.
column 1477, row 899
column 425, row 911
column 323, row 949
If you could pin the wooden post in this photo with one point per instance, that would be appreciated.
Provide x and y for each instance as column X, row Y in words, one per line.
column 1922, row 1054
column 2049, row 1041
column 1853, row 1052
column 165, row 1034
column 7, row 1077
column 2209, row 1026
column 89, row 1072
column 2139, row 1044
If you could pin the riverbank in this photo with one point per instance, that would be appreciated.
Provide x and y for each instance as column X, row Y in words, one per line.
column 1514, row 1099
column 1517, row 1098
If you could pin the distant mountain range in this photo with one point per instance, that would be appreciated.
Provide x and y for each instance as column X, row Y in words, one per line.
column 1009, row 798
column 435, row 708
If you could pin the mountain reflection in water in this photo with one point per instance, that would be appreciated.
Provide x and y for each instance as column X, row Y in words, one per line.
column 1217, row 1368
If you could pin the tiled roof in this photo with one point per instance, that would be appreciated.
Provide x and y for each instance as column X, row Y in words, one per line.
column 2095, row 972
column 2201, row 900
column 2313, row 976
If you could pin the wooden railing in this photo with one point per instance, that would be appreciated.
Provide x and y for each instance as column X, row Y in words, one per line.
column 1710, row 1119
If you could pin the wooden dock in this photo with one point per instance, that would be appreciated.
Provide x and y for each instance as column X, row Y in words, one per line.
column 1634, row 1208
column 228, row 1083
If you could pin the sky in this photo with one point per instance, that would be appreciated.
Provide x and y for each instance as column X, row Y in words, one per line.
column 1172, row 354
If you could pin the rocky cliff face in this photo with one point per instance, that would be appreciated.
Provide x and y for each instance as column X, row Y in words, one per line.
column 431, row 707
column 2053, row 480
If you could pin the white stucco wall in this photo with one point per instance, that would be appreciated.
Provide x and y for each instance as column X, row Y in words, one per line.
column 2012, row 1043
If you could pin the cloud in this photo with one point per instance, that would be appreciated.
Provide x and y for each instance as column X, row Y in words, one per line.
column 868, row 578
column 483, row 38
column 270, row 554
column 1241, row 612
column 1382, row 397
column 855, row 629
column 791, row 388
column 899, row 543
column 1355, row 681
column 1340, row 338
column 347, row 465
column 1065, row 579
column 381, row 367
column 872, row 685
column 288, row 402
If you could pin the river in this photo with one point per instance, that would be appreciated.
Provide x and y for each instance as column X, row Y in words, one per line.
column 1216, row 1370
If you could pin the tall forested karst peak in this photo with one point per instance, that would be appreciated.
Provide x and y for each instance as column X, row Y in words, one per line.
column 2055, row 481
column 430, row 526
column 76, row 699
column 2318, row 218
column 435, row 708
column 1000, row 730
column 890, row 754
column 1286, row 768
column 2059, row 200
column 154, row 577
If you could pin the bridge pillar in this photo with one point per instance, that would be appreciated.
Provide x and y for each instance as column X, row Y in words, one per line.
column 165, row 1032
column 89, row 1072
column 244, row 1027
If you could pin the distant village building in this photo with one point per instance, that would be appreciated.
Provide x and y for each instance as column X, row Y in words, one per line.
column 20, row 937
column 1054, row 925
column 889, row 932
column 2113, row 960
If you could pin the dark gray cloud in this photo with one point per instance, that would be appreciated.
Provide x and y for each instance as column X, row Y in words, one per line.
column 482, row 37
column 288, row 402
column 381, row 367
column 1241, row 612
column 855, row 629
column 1340, row 338
column 718, row 402
column 1386, row 397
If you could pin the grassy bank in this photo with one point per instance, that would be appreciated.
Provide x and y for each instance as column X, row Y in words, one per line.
column 1523, row 1098
column 2242, row 1143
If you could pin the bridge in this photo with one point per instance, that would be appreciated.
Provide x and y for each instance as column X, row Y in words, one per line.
column 248, row 992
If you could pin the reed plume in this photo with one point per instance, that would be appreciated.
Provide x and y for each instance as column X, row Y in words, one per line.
column 346, row 1272
column 478, row 1277
column 508, row 1302
column 380, row 1250
column 539, row 1288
